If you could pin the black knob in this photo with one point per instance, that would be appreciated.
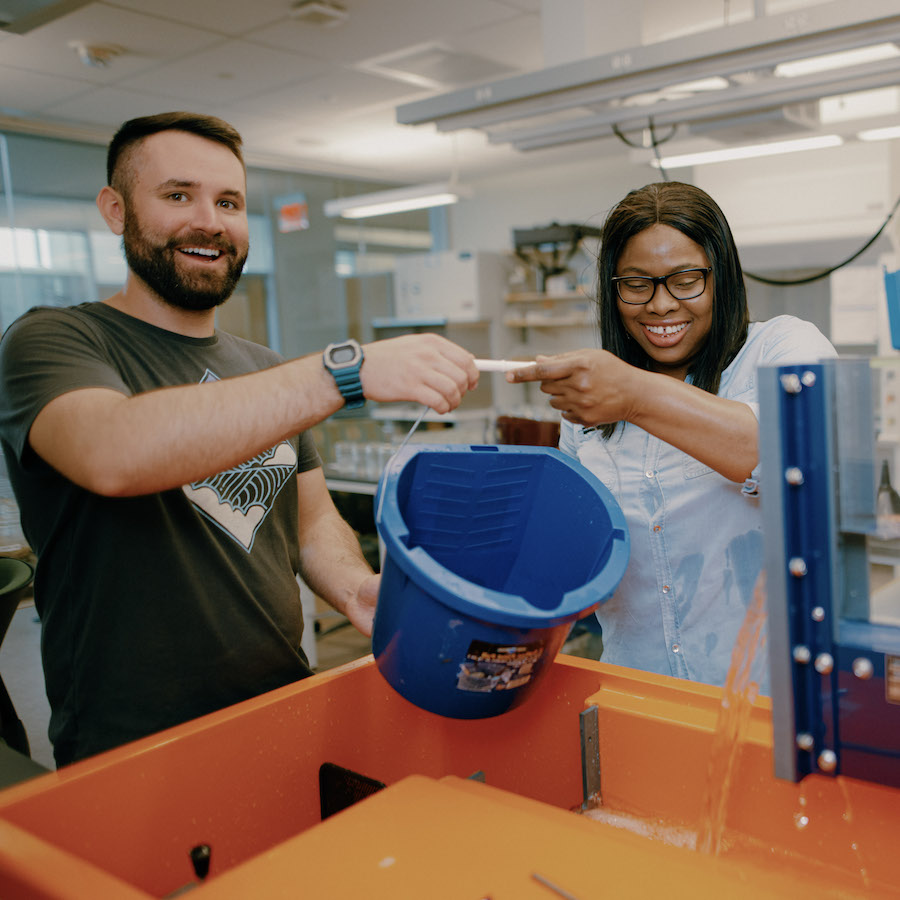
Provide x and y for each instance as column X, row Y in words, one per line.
column 200, row 859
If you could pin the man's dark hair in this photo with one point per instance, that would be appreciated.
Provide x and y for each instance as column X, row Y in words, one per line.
column 695, row 214
column 135, row 130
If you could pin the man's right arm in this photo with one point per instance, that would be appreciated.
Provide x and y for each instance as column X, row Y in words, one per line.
column 118, row 445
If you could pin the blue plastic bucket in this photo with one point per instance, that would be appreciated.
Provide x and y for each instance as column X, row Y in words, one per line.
column 491, row 554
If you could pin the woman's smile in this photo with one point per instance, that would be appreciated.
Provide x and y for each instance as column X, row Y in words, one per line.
column 665, row 333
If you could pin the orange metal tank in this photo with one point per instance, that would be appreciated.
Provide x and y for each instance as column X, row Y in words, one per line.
column 245, row 782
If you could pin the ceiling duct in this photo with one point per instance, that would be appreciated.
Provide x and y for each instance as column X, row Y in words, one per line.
column 433, row 67
column 21, row 16
column 714, row 75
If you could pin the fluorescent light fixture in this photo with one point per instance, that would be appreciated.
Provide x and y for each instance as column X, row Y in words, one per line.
column 381, row 203
column 677, row 91
column 748, row 151
column 872, row 53
column 859, row 105
column 384, row 237
column 880, row 134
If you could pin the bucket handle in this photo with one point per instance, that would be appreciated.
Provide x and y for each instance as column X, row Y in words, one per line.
column 390, row 462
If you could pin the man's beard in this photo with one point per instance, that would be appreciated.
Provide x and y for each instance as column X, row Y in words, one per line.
column 157, row 265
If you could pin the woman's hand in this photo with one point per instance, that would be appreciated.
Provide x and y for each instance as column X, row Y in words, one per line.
column 593, row 387
column 589, row 387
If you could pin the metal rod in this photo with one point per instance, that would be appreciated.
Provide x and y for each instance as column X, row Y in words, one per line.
column 553, row 887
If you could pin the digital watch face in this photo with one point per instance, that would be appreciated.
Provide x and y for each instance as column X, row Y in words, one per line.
column 342, row 355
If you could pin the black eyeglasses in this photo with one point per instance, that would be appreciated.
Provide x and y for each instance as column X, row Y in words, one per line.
column 640, row 289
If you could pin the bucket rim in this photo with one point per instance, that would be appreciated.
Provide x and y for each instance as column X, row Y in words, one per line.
column 484, row 603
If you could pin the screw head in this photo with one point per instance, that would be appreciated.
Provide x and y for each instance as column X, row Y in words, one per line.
column 801, row 654
column 818, row 614
column 793, row 475
column 863, row 668
column 808, row 378
column 797, row 567
column 791, row 383
column 805, row 741
column 824, row 663
column 827, row 760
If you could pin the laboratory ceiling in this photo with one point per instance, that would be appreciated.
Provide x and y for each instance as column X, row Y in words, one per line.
column 315, row 86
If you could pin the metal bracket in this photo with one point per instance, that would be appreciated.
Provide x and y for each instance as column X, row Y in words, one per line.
column 832, row 708
column 590, row 757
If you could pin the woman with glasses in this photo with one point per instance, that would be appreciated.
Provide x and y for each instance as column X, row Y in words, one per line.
column 666, row 415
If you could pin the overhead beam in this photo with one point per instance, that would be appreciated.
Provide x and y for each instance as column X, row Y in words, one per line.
column 755, row 45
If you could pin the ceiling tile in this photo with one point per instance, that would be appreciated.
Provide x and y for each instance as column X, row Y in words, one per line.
column 147, row 42
column 110, row 106
column 230, row 17
column 515, row 42
column 22, row 91
column 333, row 95
column 384, row 26
column 232, row 70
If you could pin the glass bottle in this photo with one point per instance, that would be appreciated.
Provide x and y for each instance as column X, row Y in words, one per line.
column 887, row 502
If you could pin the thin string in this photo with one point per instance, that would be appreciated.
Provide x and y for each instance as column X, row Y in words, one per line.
column 409, row 433
column 396, row 453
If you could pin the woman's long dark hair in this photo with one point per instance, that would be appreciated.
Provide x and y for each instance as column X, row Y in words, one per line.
column 695, row 214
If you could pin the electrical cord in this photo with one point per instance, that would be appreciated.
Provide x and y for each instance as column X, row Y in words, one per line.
column 780, row 282
column 762, row 279
column 655, row 143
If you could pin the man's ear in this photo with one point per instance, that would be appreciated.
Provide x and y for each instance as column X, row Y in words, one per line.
column 112, row 207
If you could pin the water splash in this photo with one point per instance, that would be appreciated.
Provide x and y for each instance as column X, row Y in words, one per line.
column 644, row 826
column 734, row 713
column 854, row 845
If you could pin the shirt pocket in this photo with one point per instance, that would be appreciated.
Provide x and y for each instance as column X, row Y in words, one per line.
column 596, row 457
column 691, row 468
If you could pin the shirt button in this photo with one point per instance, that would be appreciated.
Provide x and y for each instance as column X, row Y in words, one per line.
column 676, row 648
column 649, row 473
column 657, row 527
column 666, row 589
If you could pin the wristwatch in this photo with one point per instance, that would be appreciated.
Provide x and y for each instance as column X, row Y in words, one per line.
column 344, row 360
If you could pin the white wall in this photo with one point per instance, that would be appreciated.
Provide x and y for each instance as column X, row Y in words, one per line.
column 798, row 212
column 579, row 193
column 803, row 197
column 796, row 208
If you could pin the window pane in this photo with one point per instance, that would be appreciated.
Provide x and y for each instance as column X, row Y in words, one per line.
column 109, row 260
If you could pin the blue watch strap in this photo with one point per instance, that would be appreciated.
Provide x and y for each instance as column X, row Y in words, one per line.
column 350, row 386
column 345, row 369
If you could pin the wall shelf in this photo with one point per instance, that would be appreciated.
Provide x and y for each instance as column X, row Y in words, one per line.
column 533, row 309
column 539, row 297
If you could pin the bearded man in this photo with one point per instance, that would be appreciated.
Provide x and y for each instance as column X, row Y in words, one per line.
column 163, row 468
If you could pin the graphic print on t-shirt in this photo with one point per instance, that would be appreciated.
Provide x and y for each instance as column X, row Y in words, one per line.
column 239, row 499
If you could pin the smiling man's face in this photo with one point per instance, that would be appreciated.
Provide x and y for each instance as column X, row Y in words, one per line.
column 185, row 228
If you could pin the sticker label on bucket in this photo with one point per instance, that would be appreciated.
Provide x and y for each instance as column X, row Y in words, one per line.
column 498, row 667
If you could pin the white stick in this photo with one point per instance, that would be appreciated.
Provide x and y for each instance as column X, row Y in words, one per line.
column 499, row 365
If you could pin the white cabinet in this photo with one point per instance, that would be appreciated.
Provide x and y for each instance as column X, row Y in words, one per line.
column 459, row 286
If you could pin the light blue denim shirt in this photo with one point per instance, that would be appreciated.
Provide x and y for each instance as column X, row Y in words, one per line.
column 696, row 537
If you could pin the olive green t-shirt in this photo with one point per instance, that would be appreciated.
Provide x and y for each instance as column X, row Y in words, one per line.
column 159, row 608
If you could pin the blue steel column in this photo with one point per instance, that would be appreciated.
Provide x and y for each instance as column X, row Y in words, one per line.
column 797, row 449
